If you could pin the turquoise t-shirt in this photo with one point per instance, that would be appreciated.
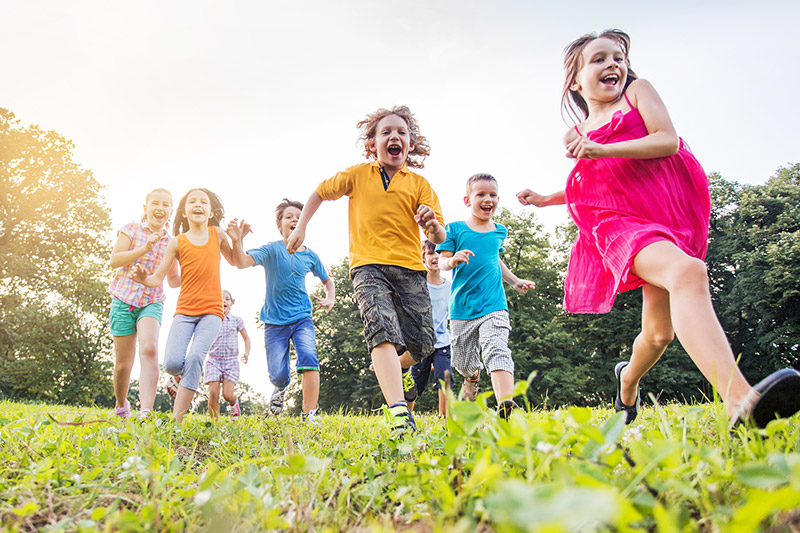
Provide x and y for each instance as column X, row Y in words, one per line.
column 286, row 300
column 478, row 286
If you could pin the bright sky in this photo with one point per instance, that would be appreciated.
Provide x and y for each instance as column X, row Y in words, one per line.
column 258, row 100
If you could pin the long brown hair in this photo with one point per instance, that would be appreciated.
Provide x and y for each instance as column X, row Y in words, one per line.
column 572, row 103
column 369, row 127
column 217, row 211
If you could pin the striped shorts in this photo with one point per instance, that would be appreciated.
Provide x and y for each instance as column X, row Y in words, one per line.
column 481, row 343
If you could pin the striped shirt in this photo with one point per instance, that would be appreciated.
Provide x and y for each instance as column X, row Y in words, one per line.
column 122, row 287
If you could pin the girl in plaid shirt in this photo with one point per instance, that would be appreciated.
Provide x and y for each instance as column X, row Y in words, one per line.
column 135, row 309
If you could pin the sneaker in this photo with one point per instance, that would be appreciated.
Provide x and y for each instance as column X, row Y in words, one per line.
column 311, row 418
column 172, row 386
column 470, row 388
column 402, row 419
column 409, row 387
column 505, row 408
column 123, row 412
column 234, row 410
column 144, row 414
column 276, row 402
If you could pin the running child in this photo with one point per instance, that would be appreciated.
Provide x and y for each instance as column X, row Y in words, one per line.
column 478, row 307
column 222, row 364
column 198, row 315
column 641, row 203
column 286, row 313
column 439, row 360
column 135, row 314
column 387, row 204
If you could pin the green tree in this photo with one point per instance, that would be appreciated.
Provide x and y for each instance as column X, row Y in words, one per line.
column 54, row 343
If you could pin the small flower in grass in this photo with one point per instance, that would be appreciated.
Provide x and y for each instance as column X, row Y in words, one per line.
column 544, row 447
column 631, row 434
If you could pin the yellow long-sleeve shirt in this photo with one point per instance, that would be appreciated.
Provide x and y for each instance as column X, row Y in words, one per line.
column 382, row 226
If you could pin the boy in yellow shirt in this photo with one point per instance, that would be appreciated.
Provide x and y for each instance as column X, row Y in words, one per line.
column 388, row 205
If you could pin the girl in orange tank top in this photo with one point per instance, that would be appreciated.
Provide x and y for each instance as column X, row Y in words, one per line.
column 198, row 315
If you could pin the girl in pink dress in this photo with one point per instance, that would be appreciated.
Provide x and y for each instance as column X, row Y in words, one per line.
column 641, row 203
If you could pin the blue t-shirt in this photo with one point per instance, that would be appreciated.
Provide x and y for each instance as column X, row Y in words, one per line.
column 286, row 299
column 477, row 286
column 440, row 303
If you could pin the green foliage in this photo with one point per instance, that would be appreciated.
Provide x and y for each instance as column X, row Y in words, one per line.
column 677, row 468
column 53, row 270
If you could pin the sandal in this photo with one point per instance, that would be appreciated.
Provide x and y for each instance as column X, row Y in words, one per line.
column 775, row 396
column 630, row 410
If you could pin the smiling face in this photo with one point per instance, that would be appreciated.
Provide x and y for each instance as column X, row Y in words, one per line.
column 392, row 142
column 288, row 221
column 158, row 209
column 227, row 302
column 431, row 260
column 482, row 199
column 197, row 209
column 603, row 71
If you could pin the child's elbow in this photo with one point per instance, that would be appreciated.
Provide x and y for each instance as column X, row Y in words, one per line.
column 673, row 145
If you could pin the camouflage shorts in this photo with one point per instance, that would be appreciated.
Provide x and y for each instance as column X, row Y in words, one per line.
column 395, row 307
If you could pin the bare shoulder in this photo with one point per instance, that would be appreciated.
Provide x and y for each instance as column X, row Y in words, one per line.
column 639, row 89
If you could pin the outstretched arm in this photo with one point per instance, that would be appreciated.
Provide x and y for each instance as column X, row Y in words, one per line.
column 236, row 231
column 528, row 197
column 330, row 295
column 155, row 279
column 298, row 235
column 520, row 285
column 243, row 358
column 426, row 218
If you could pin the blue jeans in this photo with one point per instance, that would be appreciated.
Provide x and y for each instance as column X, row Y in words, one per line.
column 276, row 341
column 180, row 358
column 440, row 359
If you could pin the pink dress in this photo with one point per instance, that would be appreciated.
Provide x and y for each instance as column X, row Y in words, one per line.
column 621, row 205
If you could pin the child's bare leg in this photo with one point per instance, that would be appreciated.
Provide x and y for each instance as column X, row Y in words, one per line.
column 442, row 402
column 147, row 331
column 124, row 353
column 310, row 390
column 213, row 399
column 685, row 278
column 651, row 342
column 503, row 385
column 387, row 369
column 228, row 391
column 183, row 401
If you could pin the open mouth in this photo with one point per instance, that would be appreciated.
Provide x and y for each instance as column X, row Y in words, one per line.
column 487, row 208
column 610, row 80
column 394, row 150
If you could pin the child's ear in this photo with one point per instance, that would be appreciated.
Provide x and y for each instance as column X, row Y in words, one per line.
column 466, row 201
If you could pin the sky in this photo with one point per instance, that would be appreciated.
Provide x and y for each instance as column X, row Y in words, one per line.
column 258, row 100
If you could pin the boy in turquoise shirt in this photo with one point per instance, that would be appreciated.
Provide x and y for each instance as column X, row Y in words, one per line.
column 479, row 320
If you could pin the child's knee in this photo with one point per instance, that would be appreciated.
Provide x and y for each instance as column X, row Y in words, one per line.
column 148, row 349
column 173, row 367
column 691, row 273
column 659, row 338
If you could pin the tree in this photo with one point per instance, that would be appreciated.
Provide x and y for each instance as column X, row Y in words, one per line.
column 54, row 343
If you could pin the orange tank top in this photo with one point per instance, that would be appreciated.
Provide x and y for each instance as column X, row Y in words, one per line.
column 201, row 292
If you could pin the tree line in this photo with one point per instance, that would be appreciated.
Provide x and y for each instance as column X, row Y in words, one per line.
column 55, row 345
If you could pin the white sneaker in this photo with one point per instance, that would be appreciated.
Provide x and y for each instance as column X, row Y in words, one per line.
column 234, row 411
column 311, row 418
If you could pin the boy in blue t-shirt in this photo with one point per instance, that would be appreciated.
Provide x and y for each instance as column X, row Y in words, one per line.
column 287, row 308
column 478, row 309
column 439, row 289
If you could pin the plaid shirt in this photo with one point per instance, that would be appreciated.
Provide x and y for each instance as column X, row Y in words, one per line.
column 226, row 345
column 123, row 287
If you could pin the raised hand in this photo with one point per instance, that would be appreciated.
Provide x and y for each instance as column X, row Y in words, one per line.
column 528, row 197
column 583, row 148
column 524, row 286
column 426, row 218
column 461, row 257
column 326, row 303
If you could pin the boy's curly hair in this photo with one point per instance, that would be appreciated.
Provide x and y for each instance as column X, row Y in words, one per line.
column 369, row 127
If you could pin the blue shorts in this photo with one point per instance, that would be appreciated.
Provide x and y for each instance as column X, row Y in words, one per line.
column 123, row 318
column 276, row 341
column 440, row 360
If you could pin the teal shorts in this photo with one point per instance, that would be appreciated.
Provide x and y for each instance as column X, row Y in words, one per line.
column 123, row 317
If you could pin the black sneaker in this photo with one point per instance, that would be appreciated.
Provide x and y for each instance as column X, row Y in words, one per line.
column 402, row 419
column 409, row 387
column 505, row 408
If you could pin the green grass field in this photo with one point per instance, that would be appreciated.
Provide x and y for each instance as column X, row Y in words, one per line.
column 676, row 468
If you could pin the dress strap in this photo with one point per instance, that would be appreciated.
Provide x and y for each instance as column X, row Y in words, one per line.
column 579, row 131
column 625, row 94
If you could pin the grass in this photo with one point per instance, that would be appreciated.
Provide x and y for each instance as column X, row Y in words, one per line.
column 677, row 468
